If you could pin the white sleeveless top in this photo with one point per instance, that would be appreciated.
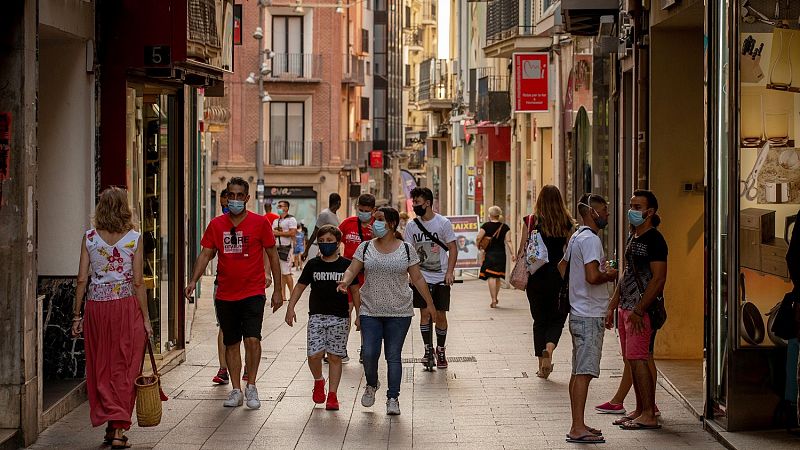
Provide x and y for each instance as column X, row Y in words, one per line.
column 111, row 266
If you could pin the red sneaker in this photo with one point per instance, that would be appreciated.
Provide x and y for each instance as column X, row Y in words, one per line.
column 319, row 391
column 610, row 408
column 221, row 377
column 333, row 402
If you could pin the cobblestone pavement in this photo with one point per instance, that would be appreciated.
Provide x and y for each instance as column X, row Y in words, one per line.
column 489, row 397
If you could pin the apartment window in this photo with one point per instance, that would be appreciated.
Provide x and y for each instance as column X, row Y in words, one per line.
column 408, row 75
column 527, row 16
column 287, row 133
column 380, row 39
column 380, row 65
column 287, row 43
column 364, row 108
column 380, row 5
column 407, row 17
column 365, row 40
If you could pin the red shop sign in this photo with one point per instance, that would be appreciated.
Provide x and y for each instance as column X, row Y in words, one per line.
column 531, row 77
column 376, row 159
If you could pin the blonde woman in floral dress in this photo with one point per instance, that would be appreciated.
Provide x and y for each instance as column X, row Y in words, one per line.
column 116, row 323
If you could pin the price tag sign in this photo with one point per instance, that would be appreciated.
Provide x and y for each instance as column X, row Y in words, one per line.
column 157, row 55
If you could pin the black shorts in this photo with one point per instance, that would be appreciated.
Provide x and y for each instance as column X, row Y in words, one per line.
column 440, row 294
column 241, row 318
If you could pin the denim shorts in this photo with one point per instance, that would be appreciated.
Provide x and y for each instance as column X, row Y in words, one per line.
column 587, row 344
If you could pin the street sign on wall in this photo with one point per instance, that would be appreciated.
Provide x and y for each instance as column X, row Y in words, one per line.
column 531, row 82
column 376, row 159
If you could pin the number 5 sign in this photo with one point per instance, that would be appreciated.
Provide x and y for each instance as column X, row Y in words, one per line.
column 531, row 82
column 157, row 55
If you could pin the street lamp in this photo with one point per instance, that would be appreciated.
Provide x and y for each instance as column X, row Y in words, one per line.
column 252, row 78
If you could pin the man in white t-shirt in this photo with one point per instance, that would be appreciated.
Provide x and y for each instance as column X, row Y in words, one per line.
column 588, row 296
column 435, row 242
column 285, row 227
column 326, row 217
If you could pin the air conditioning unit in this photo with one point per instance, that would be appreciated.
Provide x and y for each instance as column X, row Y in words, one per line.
column 434, row 120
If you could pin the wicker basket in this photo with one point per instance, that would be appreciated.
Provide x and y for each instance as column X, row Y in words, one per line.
column 148, row 397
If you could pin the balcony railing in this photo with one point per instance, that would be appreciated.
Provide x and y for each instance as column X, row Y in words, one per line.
column 296, row 66
column 435, row 81
column 503, row 21
column 413, row 39
column 429, row 12
column 295, row 153
column 357, row 152
column 353, row 70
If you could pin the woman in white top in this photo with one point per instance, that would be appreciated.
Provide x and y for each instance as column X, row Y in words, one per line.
column 117, row 321
column 385, row 307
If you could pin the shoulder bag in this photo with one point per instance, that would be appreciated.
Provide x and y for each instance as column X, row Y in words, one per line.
column 536, row 252
column 657, row 310
column 429, row 235
column 149, row 394
column 283, row 250
column 486, row 241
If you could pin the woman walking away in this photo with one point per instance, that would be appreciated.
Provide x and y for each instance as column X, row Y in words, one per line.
column 328, row 313
column 494, row 239
column 555, row 225
column 385, row 307
column 117, row 322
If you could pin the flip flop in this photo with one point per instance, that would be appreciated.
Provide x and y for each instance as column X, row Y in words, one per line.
column 594, row 431
column 586, row 439
column 623, row 420
column 639, row 426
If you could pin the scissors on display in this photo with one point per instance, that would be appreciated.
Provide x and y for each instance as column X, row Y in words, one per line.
column 750, row 185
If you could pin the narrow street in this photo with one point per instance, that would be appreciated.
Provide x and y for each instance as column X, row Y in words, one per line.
column 489, row 397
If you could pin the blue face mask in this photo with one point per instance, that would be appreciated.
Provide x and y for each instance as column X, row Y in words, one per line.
column 364, row 216
column 236, row 206
column 280, row 211
column 328, row 248
column 635, row 217
column 225, row 210
column 379, row 229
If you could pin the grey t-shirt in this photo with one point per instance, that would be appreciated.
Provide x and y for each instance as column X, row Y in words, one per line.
column 385, row 292
column 327, row 217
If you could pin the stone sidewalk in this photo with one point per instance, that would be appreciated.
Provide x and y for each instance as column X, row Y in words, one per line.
column 490, row 396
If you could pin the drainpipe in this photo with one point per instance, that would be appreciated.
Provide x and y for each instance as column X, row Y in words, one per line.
column 559, row 163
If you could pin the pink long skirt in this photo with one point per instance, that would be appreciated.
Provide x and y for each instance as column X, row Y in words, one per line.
column 114, row 338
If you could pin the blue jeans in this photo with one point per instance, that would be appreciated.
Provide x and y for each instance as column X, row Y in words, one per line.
column 392, row 331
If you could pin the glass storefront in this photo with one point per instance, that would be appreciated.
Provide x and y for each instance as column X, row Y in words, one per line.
column 752, row 197
column 153, row 169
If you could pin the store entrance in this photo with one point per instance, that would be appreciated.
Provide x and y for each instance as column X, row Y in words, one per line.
column 676, row 176
column 153, row 181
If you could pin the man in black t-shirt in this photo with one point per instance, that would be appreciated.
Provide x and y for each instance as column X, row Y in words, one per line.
column 328, row 313
column 642, row 283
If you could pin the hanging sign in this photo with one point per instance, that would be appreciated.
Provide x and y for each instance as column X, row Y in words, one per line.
column 376, row 159
column 531, row 82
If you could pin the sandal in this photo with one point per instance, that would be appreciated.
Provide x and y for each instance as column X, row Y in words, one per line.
column 639, row 426
column 623, row 420
column 125, row 444
column 586, row 439
column 109, row 436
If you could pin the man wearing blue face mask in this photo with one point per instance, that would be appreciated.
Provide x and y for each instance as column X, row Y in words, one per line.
column 639, row 292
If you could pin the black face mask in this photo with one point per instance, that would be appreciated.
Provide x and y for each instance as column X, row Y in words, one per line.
column 420, row 210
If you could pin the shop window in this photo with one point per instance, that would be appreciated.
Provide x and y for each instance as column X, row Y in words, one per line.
column 287, row 146
column 287, row 44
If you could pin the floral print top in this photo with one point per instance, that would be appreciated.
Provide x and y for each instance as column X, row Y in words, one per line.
column 111, row 274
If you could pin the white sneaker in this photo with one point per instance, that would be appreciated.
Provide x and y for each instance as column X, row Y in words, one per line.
column 251, row 393
column 368, row 399
column 393, row 407
column 234, row 399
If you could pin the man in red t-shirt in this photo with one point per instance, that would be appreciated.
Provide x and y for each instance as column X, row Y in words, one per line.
column 240, row 239
column 355, row 230
column 271, row 216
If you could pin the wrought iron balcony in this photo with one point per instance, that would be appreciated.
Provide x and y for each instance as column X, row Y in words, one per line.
column 353, row 70
column 295, row 153
column 494, row 99
column 436, row 85
column 356, row 153
column 302, row 67
column 508, row 32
